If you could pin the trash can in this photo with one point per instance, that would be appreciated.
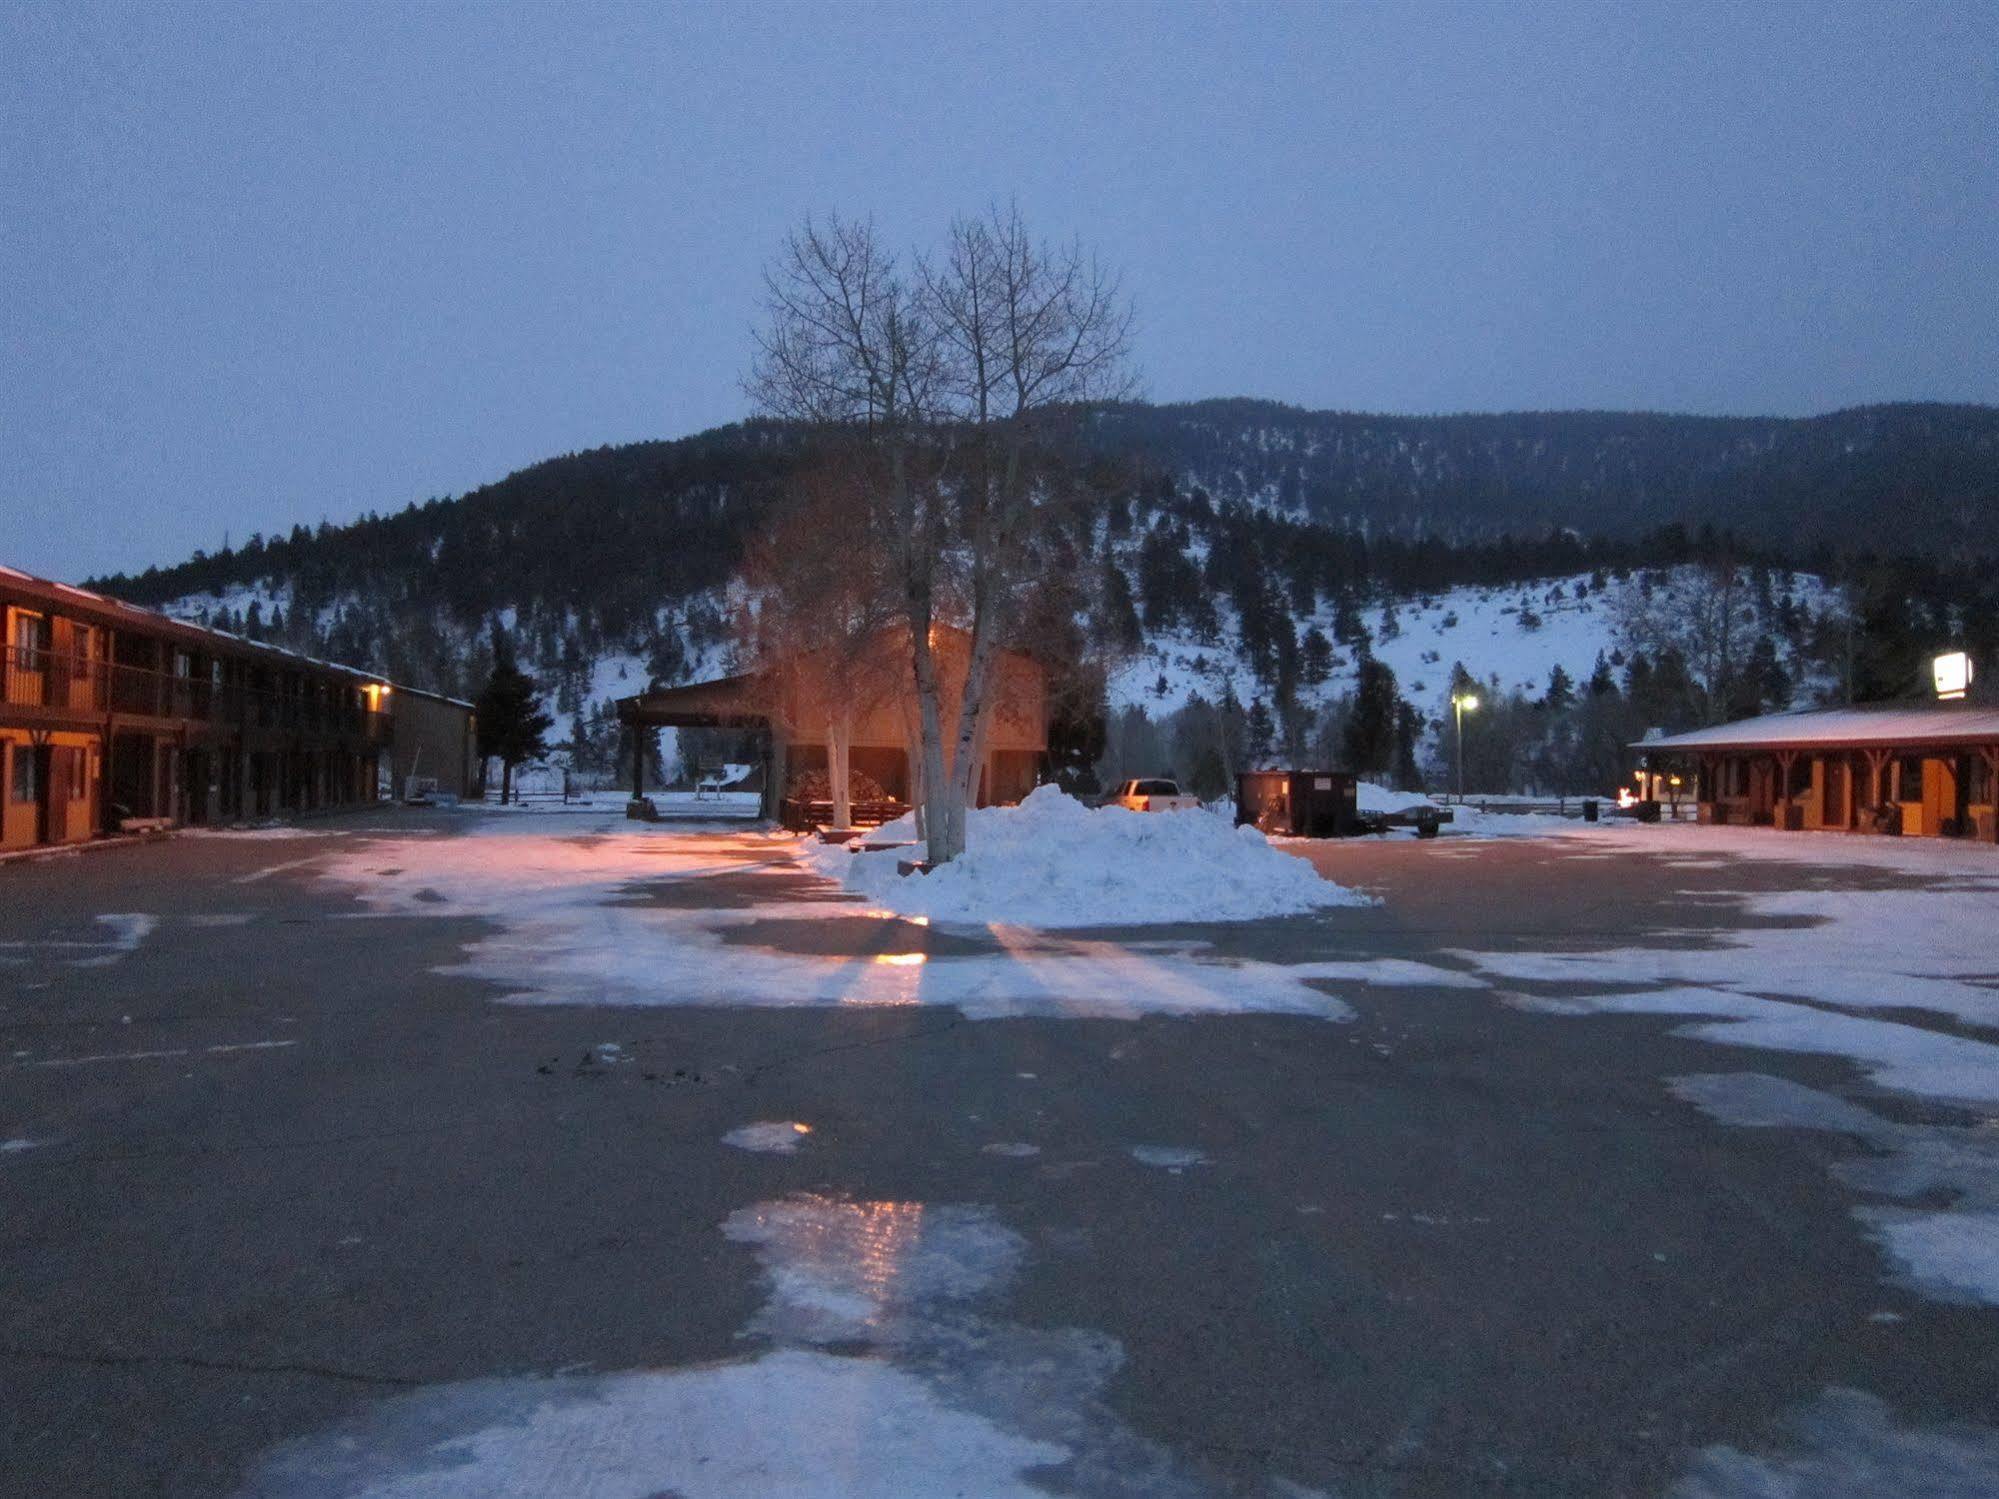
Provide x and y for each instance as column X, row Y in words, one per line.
column 1589, row 809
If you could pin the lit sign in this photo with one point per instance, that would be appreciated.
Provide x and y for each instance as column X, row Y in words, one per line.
column 1953, row 675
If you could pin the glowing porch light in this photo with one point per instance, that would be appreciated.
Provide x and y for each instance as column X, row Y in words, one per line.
column 901, row 959
column 1952, row 674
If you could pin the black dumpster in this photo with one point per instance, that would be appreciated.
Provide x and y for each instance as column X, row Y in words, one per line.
column 1299, row 803
column 1589, row 809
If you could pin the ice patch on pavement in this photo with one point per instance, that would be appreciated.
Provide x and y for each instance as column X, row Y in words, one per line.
column 1171, row 1157
column 16, row 1146
column 1846, row 1445
column 770, row 1136
column 1013, row 1150
column 128, row 930
column 1949, row 1254
column 887, row 1374
column 795, row 1424
column 1053, row 862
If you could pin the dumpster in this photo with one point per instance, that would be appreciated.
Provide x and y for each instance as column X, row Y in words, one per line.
column 1299, row 803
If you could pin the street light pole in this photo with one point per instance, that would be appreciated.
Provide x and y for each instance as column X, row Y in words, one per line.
column 1460, row 702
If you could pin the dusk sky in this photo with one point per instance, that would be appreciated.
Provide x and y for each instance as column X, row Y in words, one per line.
column 265, row 264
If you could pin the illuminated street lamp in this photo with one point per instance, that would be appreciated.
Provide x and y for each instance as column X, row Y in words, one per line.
column 1952, row 674
column 1462, row 703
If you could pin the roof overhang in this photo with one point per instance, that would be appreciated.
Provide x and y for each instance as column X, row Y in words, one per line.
column 723, row 703
column 1925, row 726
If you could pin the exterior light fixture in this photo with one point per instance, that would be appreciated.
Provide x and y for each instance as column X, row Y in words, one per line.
column 1952, row 674
column 1462, row 703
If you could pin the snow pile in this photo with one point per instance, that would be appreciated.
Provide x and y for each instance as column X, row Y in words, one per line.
column 1370, row 797
column 1052, row 862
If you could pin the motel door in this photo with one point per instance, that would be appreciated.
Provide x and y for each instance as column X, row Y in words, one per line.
column 55, row 770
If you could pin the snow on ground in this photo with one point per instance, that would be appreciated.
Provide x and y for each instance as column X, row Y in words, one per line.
column 889, row 1368
column 769, row 1136
column 567, row 897
column 1053, row 862
column 1918, row 963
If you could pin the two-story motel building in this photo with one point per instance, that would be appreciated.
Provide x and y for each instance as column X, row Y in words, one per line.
column 114, row 717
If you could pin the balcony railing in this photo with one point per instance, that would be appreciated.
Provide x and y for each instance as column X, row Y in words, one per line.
column 49, row 679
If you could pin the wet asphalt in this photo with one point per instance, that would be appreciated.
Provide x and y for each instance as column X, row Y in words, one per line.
column 282, row 1167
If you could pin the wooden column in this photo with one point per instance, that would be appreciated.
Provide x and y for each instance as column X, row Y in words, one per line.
column 1780, row 807
column 1877, row 761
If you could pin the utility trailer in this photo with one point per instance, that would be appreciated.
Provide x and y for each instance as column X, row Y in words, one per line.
column 1321, row 804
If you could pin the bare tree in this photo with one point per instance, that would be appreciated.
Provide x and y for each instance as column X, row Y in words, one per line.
column 953, row 379
column 818, row 625
column 1028, row 332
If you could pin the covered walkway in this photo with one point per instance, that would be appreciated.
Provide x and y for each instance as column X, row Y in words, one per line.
column 1930, row 770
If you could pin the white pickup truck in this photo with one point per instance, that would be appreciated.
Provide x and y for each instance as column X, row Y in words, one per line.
column 1152, row 796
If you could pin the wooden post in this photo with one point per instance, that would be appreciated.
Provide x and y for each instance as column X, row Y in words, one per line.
column 1780, row 810
column 1877, row 761
column 638, row 759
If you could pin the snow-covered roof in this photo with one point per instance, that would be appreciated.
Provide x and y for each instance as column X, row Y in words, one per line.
column 1887, row 725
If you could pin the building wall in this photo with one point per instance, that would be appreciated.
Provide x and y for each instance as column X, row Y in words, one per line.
column 434, row 738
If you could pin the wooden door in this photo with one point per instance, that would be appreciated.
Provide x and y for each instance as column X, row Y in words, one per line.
column 1832, row 792
column 53, row 817
column 1939, row 795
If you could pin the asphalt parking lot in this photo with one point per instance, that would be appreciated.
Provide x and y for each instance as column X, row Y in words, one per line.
column 276, row 1171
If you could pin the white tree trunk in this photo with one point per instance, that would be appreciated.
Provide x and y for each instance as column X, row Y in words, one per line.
column 943, row 822
column 912, row 735
column 839, row 733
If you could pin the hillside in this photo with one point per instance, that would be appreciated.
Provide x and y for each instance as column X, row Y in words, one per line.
column 1257, row 553
column 1797, row 485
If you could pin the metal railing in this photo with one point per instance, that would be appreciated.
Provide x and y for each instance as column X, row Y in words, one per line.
column 51, row 679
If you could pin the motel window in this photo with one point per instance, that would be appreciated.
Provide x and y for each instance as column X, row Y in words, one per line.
column 79, row 775
column 79, row 651
column 1800, row 783
column 21, row 785
column 31, row 639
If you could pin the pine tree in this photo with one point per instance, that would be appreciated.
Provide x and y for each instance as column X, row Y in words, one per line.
column 1315, row 658
column 1262, row 731
column 511, row 720
column 1600, row 679
column 1371, row 725
column 1561, row 689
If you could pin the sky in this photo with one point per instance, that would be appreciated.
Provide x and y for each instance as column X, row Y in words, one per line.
column 262, row 265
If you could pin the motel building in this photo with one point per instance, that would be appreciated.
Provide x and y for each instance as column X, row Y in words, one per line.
column 1927, row 770
column 117, row 719
column 811, row 713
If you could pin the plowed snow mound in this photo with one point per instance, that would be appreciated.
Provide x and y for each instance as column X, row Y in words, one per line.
column 1053, row 862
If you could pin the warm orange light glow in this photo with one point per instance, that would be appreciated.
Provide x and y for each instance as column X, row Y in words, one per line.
column 801, row 1129
column 901, row 959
